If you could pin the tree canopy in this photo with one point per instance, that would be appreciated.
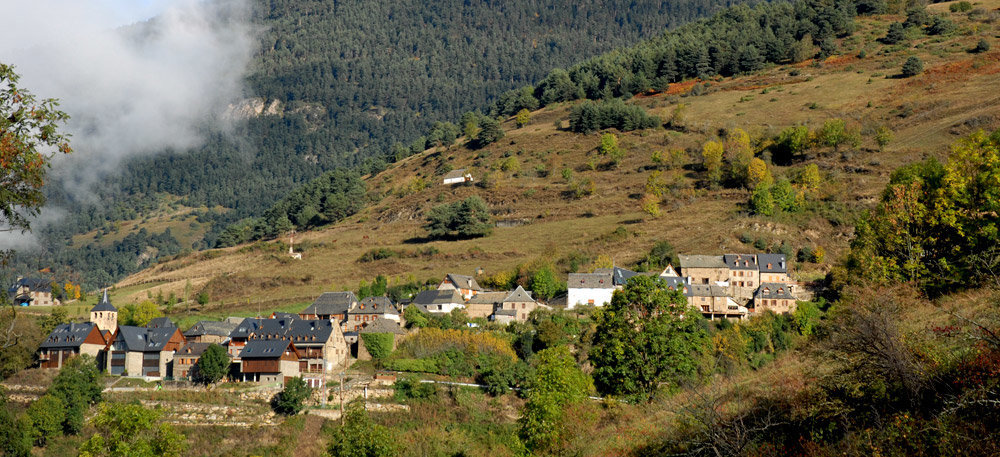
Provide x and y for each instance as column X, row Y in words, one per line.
column 468, row 218
column 647, row 337
column 213, row 364
column 131, row 430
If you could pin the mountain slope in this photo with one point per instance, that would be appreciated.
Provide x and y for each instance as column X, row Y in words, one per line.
column 335, row 84
column 926, row 112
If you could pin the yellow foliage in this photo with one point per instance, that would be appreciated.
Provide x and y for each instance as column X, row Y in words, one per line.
column 650, row 204
column 758, row 174
column 711, row 152
column 655, row 185
column 431, row 341
column 603, row 261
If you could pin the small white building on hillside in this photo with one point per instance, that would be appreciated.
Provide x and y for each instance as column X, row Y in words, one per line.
column 589, row 289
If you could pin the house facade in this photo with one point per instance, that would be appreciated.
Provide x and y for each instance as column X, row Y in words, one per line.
column 210, row 332
column 331, row 305
column 458, row 176
column 145, row 352
column 269, row 361
column 369, row 309
column 439, row 301
column 517, row 305
column 32, row 292
column 714, row 302
column 704, row 269
column 187, row 358
column 593, row 289
column 777, row 297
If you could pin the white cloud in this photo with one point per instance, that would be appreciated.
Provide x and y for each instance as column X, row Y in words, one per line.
column 131, row 90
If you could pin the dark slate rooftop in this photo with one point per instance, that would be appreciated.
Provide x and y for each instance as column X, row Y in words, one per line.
column 706, row 290
column 264, row 349
column 488, row 298
column 771, row 290
column 68, row 335
column 284, row 316
column 104, row 304
column 142, row 339
column 382, row 325
column 740, row 261
column 375, row 305
column 332, row 303
column 33, row 284
column 772, row 263
column 194, row 349
column 161, row 322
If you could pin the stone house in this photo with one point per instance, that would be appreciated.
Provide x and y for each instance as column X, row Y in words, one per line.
column 484, row 304
column 466, row 285
column 269, row 361
column 773, row 268
column 70, row 340
column 369, row 309
column 140, row 351
column 593, row 289
column 777, row 297
column 320, row 343
column 704, row 269
column 187, row 357
column 516, row 306
column 714, row 302
column 32, row 292
column 331, row 305
column 439, row 301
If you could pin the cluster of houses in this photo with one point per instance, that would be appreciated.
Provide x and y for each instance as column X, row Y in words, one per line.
column 312, row 344
column 322, row 338
column 729, row 286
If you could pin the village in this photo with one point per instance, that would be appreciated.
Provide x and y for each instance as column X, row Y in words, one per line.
column 323, row 339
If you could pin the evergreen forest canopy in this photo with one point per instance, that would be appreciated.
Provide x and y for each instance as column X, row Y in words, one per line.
column 353, row 78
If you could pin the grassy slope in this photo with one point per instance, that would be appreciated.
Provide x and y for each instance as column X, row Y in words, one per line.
column 956, row 87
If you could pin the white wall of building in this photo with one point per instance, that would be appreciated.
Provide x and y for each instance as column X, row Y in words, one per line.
column 597, row 297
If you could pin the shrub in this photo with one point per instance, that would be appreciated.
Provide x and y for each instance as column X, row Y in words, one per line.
column 379, row 345
column 212, row 365
column 362, row 437
column 960, row 7
column 410, row 388
column 46, row 416
column 982, row 46
column 290, row 400
column 412, row 365
column 912, row 67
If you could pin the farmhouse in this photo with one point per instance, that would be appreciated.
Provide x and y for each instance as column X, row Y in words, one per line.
column 369, row 309
column 32, row 292
column 146, row 352
column 466, row 285
column 776, row 297
column 210, row 332
column 269, row 360
column 439, row 301
column 187, row 357
column 331, row 305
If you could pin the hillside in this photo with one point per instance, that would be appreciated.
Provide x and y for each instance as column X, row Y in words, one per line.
column 926, row 113
column 337, row 84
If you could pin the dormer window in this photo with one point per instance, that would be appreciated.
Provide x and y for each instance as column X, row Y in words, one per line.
column 768, row 266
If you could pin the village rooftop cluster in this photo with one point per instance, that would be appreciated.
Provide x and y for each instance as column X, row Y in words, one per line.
column 324, row 337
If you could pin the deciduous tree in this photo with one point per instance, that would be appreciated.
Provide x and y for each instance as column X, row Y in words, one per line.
column 647, row 337
column 131, row 430
column 213, row 364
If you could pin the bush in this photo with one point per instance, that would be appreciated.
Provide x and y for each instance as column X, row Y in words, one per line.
column 379, row 345
column 960, row 7
column 912, row 67
column 361, row 437
column 212, row 365
column 410, row 388
column 412, row 365
column 982, row 46
column 46, row 416
column 290, row 400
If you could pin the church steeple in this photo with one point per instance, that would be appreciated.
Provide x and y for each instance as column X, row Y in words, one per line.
column 104, row 314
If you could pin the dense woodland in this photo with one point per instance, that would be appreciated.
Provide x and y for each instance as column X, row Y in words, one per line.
column 353, row 78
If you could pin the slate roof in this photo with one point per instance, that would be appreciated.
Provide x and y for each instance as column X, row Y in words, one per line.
column 590, row 281
column 68, row 335
column 706, row 290
column 245, row 328
column 104, row 304
column 506, row 312
column 332, row 303
column 141, row 339
column 488, row 298
column 519, row 295
column 161, row 322
column 375, row 305
column 214, row 328
column 673, row 282
column 438, row 297
column 464, row 282
column 772, row 263
column 264, row 349
column 740, row 261
column 310, row 332
column 33, row 284
column 771, row 290
column 284, row 316
column 382, row 325
column 195, row 349
column 702, row 261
